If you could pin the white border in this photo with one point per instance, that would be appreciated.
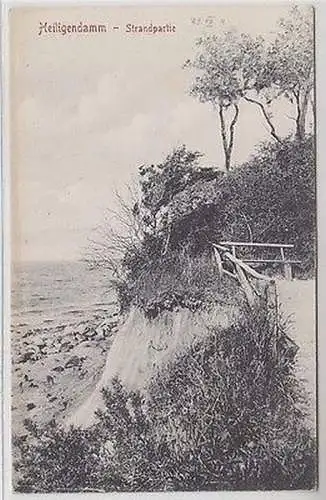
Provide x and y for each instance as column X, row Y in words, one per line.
column 5, row 275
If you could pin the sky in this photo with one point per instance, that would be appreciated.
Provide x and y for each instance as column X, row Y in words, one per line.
column 88, row 110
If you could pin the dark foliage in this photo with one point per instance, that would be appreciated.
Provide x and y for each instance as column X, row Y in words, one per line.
column 51, row 459
column 177, row 279
column 276, row 192
column 271, row 198
column 160, row 183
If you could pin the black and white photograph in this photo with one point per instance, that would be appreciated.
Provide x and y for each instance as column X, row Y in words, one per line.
column 163, row 233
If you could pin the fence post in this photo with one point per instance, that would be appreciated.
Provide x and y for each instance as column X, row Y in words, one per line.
column 288, row 271
column 287, row 266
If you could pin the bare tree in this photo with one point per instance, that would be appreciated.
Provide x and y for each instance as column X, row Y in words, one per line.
column 120, row 232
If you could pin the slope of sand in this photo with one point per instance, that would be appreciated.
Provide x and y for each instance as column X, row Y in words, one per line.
column 143, row 346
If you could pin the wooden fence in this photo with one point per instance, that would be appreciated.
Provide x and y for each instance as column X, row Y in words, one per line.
column 286, row 263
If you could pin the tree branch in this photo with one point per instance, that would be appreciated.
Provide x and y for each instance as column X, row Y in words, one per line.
column 167, row 241
column 265, row 114
column 223, row 129
column 298, row 117
column 232, row 125
column 248, row 225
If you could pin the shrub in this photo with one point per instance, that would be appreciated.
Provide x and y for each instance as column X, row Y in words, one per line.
column 52, row 459
column 179, row 279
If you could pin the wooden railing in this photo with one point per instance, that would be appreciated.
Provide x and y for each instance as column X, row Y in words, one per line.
column 240, row 271
column 232, row 246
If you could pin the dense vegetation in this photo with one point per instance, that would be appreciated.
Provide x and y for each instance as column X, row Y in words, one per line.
column 163, row 258
column 184, row 207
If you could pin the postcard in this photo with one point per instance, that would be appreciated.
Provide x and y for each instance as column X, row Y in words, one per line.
column 163, row 248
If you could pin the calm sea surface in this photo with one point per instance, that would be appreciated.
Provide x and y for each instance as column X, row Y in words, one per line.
column 57, row 293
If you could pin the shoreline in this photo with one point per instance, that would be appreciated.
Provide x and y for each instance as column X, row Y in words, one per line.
column 55, row 368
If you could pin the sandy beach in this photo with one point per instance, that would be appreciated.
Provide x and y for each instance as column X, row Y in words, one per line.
column 55, row 369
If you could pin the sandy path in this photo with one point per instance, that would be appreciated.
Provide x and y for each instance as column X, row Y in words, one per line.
column 297, row 303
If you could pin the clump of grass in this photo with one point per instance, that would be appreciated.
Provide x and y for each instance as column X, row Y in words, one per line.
column 224, row 415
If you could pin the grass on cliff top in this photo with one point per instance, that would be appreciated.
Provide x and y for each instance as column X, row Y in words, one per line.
column 178, row 280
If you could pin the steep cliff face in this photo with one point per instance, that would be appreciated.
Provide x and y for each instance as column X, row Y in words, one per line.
column 143, row 346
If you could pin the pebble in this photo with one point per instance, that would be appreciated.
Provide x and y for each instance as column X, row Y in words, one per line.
column 58, row 368
column 74, row 361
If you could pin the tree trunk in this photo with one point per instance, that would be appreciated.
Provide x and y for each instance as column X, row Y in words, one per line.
column 227, row 161
column 224, row 138
column 302, row 101
column 228, row 142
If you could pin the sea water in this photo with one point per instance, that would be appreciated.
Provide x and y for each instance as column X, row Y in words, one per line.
column 48, row 294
